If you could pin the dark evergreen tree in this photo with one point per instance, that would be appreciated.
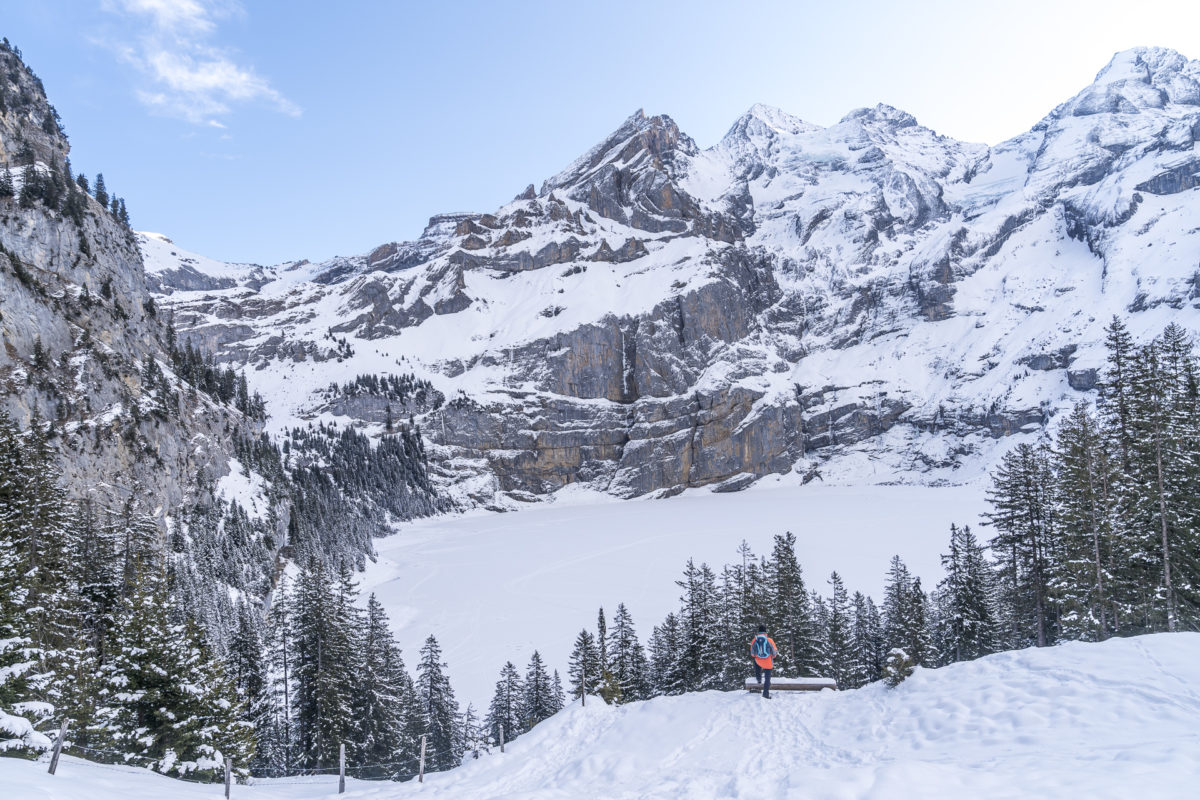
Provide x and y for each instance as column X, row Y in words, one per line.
column 843, row 666
column 789, row 614
column 537, row 694
column 165, row 698
column 440, row 709
column 583, row 670
column 503, row 719
column 627, row 658
column 965, row 597
column 1022, row 514
column 381, row 703
column 101, row 193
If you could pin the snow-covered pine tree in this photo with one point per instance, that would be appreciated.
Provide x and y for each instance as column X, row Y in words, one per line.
column 558, row 697
column 380, row 702
column 1085, row 514
column 867, row 641
column 664, row 652
column 698, row 664
column 789, row 615
column 164, row 699
column 325, row 669
column 1163, row 419
column 820, row 616
column 920, row 633
column 965, row 599
column 439, row 708
column 627, row 658
column 583, row 669
column 473, row 735
column 505, row 709
column 896, row 604
column 246, row 665
column 1022, row 514
column 839, row 635
column 275, row 754
column 537, row 694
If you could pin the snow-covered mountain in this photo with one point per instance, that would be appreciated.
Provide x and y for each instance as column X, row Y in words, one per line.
column 1108, row 720
column 659, row 316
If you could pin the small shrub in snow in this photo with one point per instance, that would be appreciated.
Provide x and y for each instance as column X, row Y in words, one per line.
column 899, row 666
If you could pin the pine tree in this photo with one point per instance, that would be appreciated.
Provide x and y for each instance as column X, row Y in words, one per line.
column 440, row 709
column 789, row 614
column 839, row 635
column 1022, row 514
column 164, row 698
column 627, row 658
column 246, row 667
column 503, row 720
column 537, row 694
column 664, row 653
column 380, row 701
column 583, row 669
column 866, row 641
column 558, row 697
column 698, row 664
column 965, row 597
column 324, row 669
column 101, row 193
column 277, row 754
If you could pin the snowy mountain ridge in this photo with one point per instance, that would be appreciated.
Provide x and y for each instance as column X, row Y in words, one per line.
column 868, row 301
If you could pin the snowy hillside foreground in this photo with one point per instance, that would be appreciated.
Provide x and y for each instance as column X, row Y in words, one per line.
column 495, row 587
column 1109, row 720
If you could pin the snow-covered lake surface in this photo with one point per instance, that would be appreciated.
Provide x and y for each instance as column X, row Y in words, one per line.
column 1111, row 720
column 493, row 586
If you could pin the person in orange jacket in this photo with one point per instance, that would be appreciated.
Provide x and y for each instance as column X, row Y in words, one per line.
column 764, row 651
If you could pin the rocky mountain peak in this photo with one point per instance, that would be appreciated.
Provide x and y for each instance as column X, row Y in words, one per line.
column 30, row 129
column 639, row 142
column 880, row 115
column 1136, row 80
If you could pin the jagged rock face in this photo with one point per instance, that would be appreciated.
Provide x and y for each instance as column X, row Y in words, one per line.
column 76, row 331
column 658, row 316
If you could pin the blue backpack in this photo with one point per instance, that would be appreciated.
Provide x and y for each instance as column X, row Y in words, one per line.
column 762, row 647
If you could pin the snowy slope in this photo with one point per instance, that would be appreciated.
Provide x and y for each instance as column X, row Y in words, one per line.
column 1110, row 720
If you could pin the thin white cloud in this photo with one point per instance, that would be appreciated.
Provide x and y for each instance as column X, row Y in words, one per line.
column 187, row 76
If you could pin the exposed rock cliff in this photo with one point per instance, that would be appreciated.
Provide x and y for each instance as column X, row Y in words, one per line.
column 660, row 316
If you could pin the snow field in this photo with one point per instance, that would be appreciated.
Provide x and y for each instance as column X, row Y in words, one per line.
column 1109, row 720
column 495, row 587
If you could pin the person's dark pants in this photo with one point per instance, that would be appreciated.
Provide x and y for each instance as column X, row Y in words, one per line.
column 763, row 676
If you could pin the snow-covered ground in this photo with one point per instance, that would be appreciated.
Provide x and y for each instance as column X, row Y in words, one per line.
column 494, row 587
column 1111, row 720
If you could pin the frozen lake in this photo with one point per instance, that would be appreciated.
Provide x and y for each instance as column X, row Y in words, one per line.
column 494, row 587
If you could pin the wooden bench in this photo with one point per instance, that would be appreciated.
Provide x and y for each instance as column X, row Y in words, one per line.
column 794, row 685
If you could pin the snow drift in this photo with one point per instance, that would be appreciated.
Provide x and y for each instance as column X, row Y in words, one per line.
column 1109, row 720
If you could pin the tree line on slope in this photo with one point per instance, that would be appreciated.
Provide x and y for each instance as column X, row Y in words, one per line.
column 1097, row 534
column 97, row 627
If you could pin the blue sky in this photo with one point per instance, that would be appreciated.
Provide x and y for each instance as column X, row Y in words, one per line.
column 270, row 131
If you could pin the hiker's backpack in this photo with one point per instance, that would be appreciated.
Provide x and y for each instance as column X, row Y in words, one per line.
column 762, row 647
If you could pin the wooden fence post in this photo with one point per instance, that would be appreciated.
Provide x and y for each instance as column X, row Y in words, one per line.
column 583, row 684
column 421, row 770
column 342, row 768
column 228, row 776
column 58, row 744
column 501, row 738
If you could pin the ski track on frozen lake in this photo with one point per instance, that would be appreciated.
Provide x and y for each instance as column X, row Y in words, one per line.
column 495, row 587
column 1110, row 720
